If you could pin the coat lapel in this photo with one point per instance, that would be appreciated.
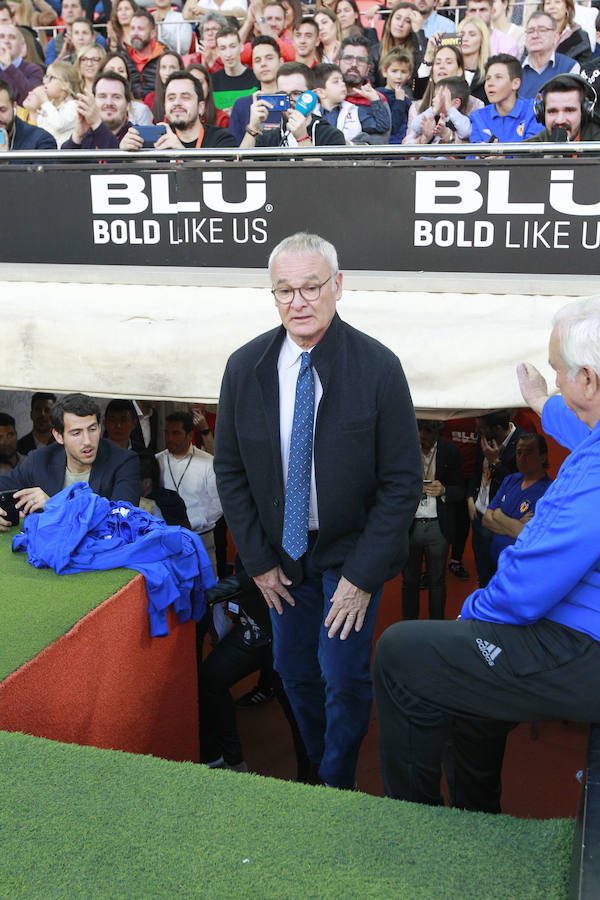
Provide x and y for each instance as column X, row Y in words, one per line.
column 268, row 381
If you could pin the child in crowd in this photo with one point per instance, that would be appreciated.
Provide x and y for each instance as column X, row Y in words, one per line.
column 331, row 90
column 445, row 121
column 397, row 69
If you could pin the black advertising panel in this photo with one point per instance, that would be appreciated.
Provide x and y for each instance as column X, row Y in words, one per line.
column 518, row 215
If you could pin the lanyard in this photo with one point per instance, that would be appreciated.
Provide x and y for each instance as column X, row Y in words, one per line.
column 176, row 484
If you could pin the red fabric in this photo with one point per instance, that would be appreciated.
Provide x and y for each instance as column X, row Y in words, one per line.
column 463, row 433
column 190, row 58
column 156, row 49
column 286, row 48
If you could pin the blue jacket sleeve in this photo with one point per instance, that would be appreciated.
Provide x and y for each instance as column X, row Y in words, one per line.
column 562, row 424
column 375, row 118
column 477, row 136
column 50, row 52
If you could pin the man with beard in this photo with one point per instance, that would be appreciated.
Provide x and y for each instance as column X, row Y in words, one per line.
column 296, row 129
column 101, row 119
column 306, row 39
column 16, row 134
column 41, row 433
column 373, row 110
column 9, row 455
column 563, row 107
column 143, row 53
column 184, row 108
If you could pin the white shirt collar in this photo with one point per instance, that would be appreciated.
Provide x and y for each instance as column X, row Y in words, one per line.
column 291, row 352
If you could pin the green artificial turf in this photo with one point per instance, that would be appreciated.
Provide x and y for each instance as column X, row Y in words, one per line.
column 78, row 822
column 37, row 606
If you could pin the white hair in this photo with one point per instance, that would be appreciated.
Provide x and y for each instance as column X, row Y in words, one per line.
column 578, row 326
column 302, row 242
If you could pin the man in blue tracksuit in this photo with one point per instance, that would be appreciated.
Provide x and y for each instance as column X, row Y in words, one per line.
column 527, row 646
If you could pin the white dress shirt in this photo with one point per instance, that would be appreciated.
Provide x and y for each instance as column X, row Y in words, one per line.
column 193, row 478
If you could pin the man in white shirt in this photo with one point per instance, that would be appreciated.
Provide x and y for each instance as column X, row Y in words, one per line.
column 189, row 471
column 432, row 20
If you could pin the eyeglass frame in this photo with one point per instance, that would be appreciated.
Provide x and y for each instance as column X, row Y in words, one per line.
column 299, row 290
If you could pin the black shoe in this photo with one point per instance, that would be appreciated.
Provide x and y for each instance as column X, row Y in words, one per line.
column 256, row 697
column 458, row 570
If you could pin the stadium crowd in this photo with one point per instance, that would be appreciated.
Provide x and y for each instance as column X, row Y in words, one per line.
column 163, row 75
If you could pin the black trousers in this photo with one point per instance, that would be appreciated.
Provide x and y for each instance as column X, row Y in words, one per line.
column 471, row 682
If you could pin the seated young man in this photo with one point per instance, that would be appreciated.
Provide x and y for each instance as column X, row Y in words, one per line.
column 397, row 69
column 508, row 118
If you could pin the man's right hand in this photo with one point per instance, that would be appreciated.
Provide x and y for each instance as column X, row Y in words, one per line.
column 131, row 141
column 4, row 523
column 88, row 116
column 534, row 387
column 259, row 110
column 273, row 587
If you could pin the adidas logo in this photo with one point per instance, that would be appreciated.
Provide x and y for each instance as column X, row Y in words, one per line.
column 488, row 651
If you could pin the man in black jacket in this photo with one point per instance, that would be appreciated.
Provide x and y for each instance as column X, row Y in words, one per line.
column 79, row 454
column 319, row 475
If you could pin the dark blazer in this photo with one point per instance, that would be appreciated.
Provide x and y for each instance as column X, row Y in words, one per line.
column 30, row 137
column 27, row 443
column 366, row 452
column 115, row 472
column 448, row 470
column 506, row 465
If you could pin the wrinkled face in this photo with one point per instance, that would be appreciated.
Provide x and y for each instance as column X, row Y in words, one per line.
column 530, row 462
column 10, row 39
column 80, row 439
column 81, row 35
column 305, row 322
column 124, row 12
column 265, row 62
column 354, row 63
column 571, row 391
column 177, row 439
column 471, row 38
column 557, row 9
column 539, row 35
column 345, row 14
column 71, row 10
column 119, row 424
column 182, row 107
column 209, row 33
column 275, row 19
column 306, row 39
column 7, row 112
column 480, row 8
column 229, row 48
column 335, row 88
column 563, row 110
column 167, row 63
column 8, row 441
column 327, row 30
column 140, row 33
column 445, row 64
column 397, row 74
column 40, row 414
column 499, row 85
column 116, row 65
column 110, row 99
column 401, row 24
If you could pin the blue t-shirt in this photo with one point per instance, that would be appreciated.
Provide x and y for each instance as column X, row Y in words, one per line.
column 515, row 502
column 518, row 124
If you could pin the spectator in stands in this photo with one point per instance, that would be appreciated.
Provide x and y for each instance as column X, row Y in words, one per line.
column 293, row 14
column 373, row 111
column 23, row 76
column 195, row 9
column 235, row 79
column 184, row 107
column 440, row 61
column 432, row 21
column 431, row 532
column 156, row 500
column 208, row 29
column 189, row 471
column 502, row 22
column 514, row 504
column 348, row 15
column 591, row 69
column 499, row 41
column 143, row 53
column 79, row 454
column 9, row 454
column 265, row 64
column 52, row 105
column 102, row 118
column 147, row 428
column 119, row 24
column 89, row 63
column 475, row 49
column 563, row 108
column 120, row 420
column 138, row 112
column 41, row 433
column 82, row 35
column 496, row 458
column 173, row 31
column 305, row 38
column 26, row 15
column 447, row 63
column 15, row 134
column 211, row 115
column 571, row 39
column 62, row 45
column 296, row 129
column 446, row 121
column 398, row 34
column 542, row 61
column 330, row 35
column 397, row 69
column 167, row 63
column 6, row 15
column 32, row 51
column 330, row 87
column 266, row 17
column 507, row 118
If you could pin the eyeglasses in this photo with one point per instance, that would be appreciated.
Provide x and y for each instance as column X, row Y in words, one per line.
column 91, row 59
column 541, row 30
column 308, row 292
column 359, row 60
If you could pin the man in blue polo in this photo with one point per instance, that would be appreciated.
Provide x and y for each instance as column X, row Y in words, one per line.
column 508, row 118
column 542, row 61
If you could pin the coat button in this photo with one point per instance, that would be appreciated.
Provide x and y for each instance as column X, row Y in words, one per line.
column 275, row 501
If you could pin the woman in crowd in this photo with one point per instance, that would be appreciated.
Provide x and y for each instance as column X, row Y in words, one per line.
column 207, row 53
column 438, row 62
column 571, row 39
column 293, row 15
column 32, row 47
column 447, row 62
column 348, row 15
column 212, row 115
column 169, row 62
column 89, row 61
column 51, row 105
column 501, row 22
column 330, row 35
column 398, row 32
column 138, row 113
column 119, row 23
column 475, row 50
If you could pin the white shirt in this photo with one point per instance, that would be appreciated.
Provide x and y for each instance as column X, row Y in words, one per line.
column 193, row 478
column 288, row 366
column 144, row 420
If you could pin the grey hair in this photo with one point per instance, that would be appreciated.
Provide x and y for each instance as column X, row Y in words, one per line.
column 302, row 242
column 212, row 17
column 538, row 15
column 578, row 326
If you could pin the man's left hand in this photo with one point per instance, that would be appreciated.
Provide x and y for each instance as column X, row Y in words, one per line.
column 434, row 489
column 367, row 91
column 169, row 140
column 30, row 500
column 348, row 608
column 296, row 124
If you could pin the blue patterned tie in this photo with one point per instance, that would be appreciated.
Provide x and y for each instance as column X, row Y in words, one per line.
column 297, row 492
